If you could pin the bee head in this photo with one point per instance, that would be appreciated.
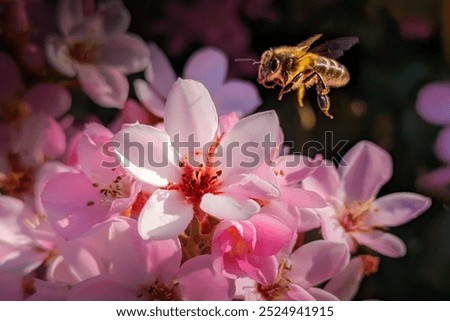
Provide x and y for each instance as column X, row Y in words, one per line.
column 269, row 73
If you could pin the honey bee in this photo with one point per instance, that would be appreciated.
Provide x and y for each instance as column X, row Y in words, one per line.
column 299, row 67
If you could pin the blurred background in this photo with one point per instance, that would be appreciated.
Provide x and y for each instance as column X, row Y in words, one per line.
column 403, row 45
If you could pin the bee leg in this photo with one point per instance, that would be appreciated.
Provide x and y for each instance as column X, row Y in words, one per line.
column 289, row 86
column 300, row 95
column 323, row 100
column 324, row 104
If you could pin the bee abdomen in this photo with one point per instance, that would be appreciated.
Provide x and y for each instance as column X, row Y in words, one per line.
column 333, row 73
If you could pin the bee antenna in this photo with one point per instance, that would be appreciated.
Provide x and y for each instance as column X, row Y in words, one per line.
column 247, row 59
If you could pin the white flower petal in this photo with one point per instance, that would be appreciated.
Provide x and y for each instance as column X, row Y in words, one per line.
column 164, row 216
column 190, row 115
column 228, row 207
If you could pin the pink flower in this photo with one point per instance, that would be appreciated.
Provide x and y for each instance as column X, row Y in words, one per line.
column 301, row 273
column 25, row 241
column 149, row 270
column 248, row 248
column 433, row 105
column 97, row 50
column 209, row 66
column 28, row 119
column 77, row 200
column 355, row 216
column 345, row 284
column 196, row 180
column 294, row 204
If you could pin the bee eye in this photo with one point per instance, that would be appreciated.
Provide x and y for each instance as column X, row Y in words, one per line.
column 274, row 64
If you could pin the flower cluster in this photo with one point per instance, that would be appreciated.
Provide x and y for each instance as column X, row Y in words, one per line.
column 186, row 195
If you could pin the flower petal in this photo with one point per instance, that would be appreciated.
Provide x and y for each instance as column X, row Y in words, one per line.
column 384, row 243
column 149, row 98
column 442, row 145
column 58, row 56
column 249, row 143
column 164, row 216
column 309, row 220
column 146, row 153
column 271, row 234
column 115, row 17
column 197, row 281
column 325, row 180
column 51, row 99
column 302, row 198
column 346, row 283
column 102, row 288
column 199, row 122
column 159, row 73
column 292, row 169
column 73, row 204
column 297, row 293
column 126, row 52
column 322, row 295
column 228, row 207
column 433, row 103
column 317, row 261
column 105, row 85
column 364, row 169
column 70, row 14
column 209, row 66
column 240, row 96
column 396, row 209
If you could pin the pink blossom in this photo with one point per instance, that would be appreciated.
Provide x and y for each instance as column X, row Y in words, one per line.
column 294, row 204
column 209, row 66
column 28, row 119
column 355, row 215
column 24, row 239
column 248, row 248
column 300, row 274
column 97, row 50
column 227, row 190
column 149, row 270
column 76, row 200
column 345, row 284
column 433, row 105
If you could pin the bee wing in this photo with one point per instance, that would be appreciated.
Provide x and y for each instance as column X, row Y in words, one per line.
column 305, row 44
column 335, row 48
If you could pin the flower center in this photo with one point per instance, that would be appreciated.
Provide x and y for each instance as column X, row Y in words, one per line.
column 119, row 188
column 157, row 292
column 276, row 291
column 84, row 52
column 196, row 182
column 352, row 214
column 238, row 245
column 18, row 180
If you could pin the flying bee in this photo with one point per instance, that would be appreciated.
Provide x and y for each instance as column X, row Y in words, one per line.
column 298, row 68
